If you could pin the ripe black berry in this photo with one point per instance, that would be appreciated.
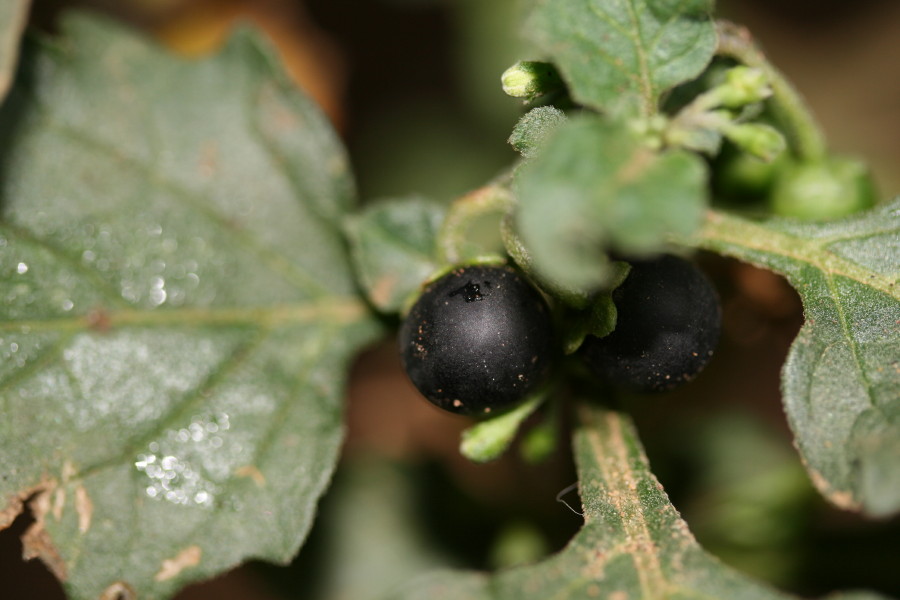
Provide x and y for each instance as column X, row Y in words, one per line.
column 478, row 340
column 667, row 327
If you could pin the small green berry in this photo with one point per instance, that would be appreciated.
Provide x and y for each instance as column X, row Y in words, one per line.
column 830, row 189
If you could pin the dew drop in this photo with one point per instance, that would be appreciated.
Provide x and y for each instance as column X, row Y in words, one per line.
column 157, row 296
column 185, row 466
column 158, row 293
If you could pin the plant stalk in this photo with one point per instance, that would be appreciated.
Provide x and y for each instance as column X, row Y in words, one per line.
column 805, row 137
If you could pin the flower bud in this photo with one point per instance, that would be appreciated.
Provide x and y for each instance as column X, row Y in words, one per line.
column 762, row 141
column 530, row 79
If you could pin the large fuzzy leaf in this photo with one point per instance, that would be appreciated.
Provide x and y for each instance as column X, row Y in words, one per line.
column 841, row 381
column 622, row 55
column 595, row 185
column 178, row 310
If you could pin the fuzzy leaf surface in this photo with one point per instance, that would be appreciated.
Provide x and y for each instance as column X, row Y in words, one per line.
column 622, row 55
column 533, row 128
column 394, row 248
column 595, row 186
column 633, row 543
column 841, row 380
column 177, row 313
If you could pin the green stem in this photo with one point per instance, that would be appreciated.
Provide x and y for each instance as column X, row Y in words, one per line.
column 463, row 212
column 804, row 135
column 762, row 245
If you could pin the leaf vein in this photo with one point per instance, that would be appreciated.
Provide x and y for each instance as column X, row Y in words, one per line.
column 400, row 243
column 237, row 356
column 645, row 80
column 609, row 59
column 851, row 340
column 33, row 366
column 339, row 310
column 734, row 236
column 292, row 271
column 103, row 286
column 612, row 460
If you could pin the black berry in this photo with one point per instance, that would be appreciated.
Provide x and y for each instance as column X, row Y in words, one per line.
column 666, row 330
column 477, row 340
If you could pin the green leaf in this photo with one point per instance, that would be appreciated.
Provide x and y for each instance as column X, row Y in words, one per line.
column 633, row 543
column 599, row 320
column 533, row 128
column 596, row 186
column 13, row 16
column 178, row 310
column 841, row 381
column 622, row 55
column 394, row 248
column 489, row 439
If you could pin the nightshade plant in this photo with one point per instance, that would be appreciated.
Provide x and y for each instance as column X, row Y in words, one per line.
column 181, row 259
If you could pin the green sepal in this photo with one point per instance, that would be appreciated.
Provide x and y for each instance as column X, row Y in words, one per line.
column 488, row 440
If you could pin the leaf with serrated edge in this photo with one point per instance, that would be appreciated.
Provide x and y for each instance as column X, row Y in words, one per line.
column 394, row 248
column 841, row 381
column 178, row 310
column 13, row 15
column 622, row 55
column 633, row 543
column 595, row 186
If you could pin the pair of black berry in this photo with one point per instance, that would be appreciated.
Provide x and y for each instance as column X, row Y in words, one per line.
column 480, row 338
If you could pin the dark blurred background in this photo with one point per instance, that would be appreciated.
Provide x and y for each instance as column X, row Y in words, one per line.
column 413, row 87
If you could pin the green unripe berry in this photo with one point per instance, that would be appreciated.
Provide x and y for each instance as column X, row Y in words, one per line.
column 738, row 175
column 830, row 189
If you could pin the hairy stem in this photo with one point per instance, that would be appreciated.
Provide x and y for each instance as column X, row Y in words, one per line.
column 758, row 244
column 803, row 133
column 453, row 236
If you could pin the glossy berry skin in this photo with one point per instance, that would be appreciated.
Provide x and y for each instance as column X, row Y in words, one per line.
column 666, row 330
column 478, row 340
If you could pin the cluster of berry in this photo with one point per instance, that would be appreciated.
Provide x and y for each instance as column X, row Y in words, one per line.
column 480, row 339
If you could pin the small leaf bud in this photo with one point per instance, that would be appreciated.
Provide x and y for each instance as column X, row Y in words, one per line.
column 762, row 141
column 743, row 86
column 530, row 79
